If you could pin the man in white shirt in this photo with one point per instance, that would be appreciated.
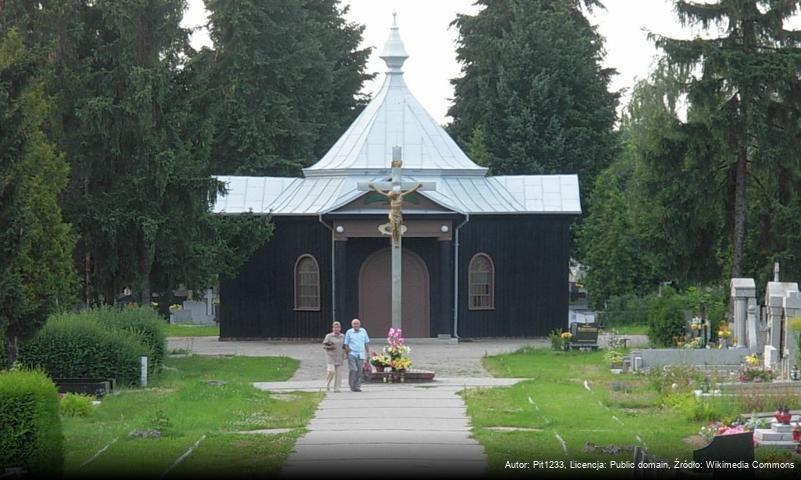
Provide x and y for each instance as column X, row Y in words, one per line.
column 356, row 341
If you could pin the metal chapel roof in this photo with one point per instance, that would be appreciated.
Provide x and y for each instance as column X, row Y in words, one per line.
column 364, row 152
column 394, row 117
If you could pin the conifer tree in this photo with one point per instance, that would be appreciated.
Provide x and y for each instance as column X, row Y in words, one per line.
column 36, row 270
column 745, row 73
column 284, row 78
column 532, row 81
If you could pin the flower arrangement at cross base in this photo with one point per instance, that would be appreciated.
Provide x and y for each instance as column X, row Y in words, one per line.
column 397, row 350
column 380, row 362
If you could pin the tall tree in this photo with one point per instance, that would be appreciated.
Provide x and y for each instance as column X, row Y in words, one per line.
column 657, row 213
column 746, row 67
column 532, row 83
column 36, row 269
column 136, row 135
column 285, row 77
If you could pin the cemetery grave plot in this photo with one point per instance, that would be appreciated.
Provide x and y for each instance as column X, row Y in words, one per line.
column 574, row 408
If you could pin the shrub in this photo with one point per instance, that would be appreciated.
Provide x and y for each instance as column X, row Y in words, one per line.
column 706, row 408
column 556, row 339
column 666, row 320
column 71, row 346
column 143, row 322
column 30, row 428
column 76, row 405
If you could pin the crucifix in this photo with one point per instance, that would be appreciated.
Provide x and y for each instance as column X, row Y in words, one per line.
column 395, row 191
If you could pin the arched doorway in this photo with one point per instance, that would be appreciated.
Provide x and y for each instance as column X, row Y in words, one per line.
column 375, row 295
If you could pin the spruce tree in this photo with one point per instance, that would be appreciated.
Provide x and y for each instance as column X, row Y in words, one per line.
column 284, row 79
column 744, row 75
column 533, row 84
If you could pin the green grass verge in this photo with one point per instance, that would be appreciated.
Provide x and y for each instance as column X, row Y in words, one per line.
column 628, row 329
column 191, row 331
column 185, row 405
column 554, row 403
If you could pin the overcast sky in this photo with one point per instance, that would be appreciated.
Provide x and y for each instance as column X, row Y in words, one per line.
column 431, row 43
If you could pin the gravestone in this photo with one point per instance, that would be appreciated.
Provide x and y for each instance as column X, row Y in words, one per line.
column 585, row 335
column 193, row 312
column 752, row 328
column 792, row 310
column 742, row 290
column 735, row 448
column 771, row 357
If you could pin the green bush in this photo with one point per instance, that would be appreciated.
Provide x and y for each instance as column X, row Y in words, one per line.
column 30, row 428
column 76, row 405
column 702, row 409
column 631, row 309
column 79, row 346
column 143, row 322
column 666, row 321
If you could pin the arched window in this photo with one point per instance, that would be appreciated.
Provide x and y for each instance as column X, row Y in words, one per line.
column 307, row 283
column 481, row 278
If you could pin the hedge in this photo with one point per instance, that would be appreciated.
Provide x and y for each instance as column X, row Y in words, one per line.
column 30, row 427
column 143, row 322
column 79, row 346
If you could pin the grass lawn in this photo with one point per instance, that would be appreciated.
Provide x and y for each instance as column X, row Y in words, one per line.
column 191, row 331
column 563, row 414
column 187, row 404
column 628, row 329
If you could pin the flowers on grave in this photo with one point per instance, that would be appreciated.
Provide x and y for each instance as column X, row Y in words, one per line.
column 694, row 343
column 566, row 336
column 753, row 371
column 724, row 331
column 720, row 428
column 175, row 307
column 397, row 351
column 752, row 360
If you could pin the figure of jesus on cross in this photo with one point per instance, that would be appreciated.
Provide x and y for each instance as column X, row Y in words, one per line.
column 395, row 227
column 395, row 191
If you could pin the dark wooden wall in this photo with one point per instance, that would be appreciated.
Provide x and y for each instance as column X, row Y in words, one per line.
column 259, row 302
column 531, row 256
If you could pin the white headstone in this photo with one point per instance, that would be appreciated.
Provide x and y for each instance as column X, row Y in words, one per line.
column 752, row 326
column 771, row 356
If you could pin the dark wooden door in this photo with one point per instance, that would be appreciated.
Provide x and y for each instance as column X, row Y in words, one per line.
column 375, row 295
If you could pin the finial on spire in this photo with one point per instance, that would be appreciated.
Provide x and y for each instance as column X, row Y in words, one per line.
column 394, row 53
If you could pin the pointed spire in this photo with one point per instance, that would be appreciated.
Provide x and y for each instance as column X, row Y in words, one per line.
column 394, row 54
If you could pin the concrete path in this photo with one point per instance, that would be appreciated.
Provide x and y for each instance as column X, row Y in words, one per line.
column 389, row 430
column 446, row 359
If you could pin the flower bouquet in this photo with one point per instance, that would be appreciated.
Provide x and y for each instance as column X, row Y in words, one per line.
column 396, row 352
column 380, row 362
column 397, row 348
